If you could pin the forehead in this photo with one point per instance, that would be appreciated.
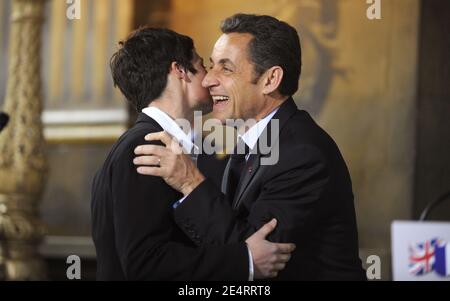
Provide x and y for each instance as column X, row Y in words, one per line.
column 232, row 46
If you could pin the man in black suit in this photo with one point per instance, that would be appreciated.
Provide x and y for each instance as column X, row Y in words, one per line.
column 133, row 228
column 301, row 179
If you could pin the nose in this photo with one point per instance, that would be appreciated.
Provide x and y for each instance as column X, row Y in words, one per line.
column 210, row 80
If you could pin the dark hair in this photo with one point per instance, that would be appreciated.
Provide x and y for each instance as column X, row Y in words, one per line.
column 274, row 43
column 140, row 67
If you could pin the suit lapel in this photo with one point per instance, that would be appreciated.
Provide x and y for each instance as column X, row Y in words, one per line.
column 247, row 175
column 226, row 172
column 286, row 111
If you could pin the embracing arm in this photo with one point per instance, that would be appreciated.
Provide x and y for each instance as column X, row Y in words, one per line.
column 290, row 195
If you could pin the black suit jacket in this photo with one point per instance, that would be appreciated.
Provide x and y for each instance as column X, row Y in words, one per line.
column 133, row 227
column 308, row 190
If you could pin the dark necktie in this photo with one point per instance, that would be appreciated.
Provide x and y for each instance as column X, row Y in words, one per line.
column 237, row 164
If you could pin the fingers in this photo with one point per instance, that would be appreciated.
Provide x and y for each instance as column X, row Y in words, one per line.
column 286, row 248
column 267, row 228
column 280, row 258
column 170, row 142
column 276, row 269
column 163, row 136
column 279, row 266
column 150, row 150
column 283, row 258
column 150, row 171
column 273, row 274
column 147, row 160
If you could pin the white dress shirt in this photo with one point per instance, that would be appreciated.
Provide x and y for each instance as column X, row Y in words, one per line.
column 252, row 135
column 170, row 126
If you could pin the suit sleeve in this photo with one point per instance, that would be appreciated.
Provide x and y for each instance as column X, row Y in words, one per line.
column 144, row 225
column 290, row 194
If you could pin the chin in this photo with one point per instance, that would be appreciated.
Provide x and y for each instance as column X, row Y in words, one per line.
column 204, row 107
column 220, row 116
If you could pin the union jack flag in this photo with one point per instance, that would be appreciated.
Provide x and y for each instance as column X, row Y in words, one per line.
column 442, row 258
column 422, row 257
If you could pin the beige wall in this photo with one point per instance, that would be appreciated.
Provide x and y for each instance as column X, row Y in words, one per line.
column 358, row 80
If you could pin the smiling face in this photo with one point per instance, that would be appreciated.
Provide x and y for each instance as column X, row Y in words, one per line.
column 231, row 79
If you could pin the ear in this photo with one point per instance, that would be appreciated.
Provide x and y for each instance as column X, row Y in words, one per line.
column 272, row 79
column 178, row 71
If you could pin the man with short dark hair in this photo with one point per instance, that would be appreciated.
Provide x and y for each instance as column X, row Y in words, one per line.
column 255, row 68
column 135, row 235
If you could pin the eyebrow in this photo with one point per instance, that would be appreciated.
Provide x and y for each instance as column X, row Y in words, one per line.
column 222, row 61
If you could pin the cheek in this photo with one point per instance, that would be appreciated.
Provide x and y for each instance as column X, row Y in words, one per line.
column 234, row 90
column 198, row 88
column 205, row 93
column 240, row 94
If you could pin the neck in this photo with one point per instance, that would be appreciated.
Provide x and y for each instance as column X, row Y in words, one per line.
column 173, row 108
column 271, row 105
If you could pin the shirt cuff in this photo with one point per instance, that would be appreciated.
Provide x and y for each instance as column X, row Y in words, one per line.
column 176, row 204
column 251, row 271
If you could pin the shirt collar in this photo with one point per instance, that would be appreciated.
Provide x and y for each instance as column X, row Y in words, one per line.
column 170, row 126
column 252, row 135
